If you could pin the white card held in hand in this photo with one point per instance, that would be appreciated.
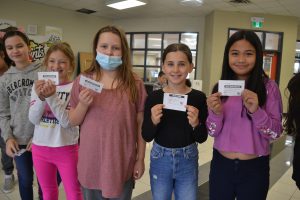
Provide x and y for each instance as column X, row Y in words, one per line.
column 91, row 84
column 175, row 101
column 53, row 76
column 231, row 87
column 20, row 152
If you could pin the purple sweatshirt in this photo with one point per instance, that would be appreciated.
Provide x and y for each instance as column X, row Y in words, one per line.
column 235, row 130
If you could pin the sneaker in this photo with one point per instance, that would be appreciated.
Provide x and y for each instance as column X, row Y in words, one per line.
column 9, row 183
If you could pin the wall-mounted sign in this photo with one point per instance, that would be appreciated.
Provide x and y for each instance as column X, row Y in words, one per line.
column 257, row 22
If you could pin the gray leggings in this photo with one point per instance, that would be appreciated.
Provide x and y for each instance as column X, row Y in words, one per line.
column 90, row 194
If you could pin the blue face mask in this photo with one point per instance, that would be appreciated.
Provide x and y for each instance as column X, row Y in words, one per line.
column 108, row 62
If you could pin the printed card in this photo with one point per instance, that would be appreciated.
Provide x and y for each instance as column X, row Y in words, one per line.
column 175, row 101
column 231, row 87
column 20, row 152
column 91, row 84
column 53, row 76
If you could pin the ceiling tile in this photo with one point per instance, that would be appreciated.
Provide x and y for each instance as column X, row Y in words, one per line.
column 170, row 8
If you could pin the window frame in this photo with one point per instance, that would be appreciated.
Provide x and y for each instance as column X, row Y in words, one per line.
column 145, row 66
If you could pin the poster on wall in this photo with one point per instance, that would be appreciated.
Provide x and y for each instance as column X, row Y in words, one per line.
column 54, row 33
column 39, row 45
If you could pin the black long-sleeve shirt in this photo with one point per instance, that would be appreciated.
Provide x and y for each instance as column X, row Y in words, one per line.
column 174, row 130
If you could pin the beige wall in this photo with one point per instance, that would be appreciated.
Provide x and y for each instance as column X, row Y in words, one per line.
column 78, row 29
column 208, row 53
column 218, row 23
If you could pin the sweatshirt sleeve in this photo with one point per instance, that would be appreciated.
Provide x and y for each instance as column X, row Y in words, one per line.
column 148, row 128
column 5, row 115
column 214, row 123
column 268, row 119
column 59, row 109
column 36, row 108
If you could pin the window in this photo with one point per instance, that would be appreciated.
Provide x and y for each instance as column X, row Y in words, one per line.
column 147, row 49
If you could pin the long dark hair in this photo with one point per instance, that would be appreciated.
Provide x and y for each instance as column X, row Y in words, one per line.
column 12, row 33
column 2, row 48
column 257, row 78
column 292, row 120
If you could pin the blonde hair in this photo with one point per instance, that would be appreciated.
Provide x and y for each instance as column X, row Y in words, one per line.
column 65, row 48
column 125, row 76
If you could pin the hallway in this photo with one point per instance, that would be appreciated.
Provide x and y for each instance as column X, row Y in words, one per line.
column 282, row 187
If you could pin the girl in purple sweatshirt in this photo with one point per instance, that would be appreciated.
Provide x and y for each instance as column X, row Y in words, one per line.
column 243, row 126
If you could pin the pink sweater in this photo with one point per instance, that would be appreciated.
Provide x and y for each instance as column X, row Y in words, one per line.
column 234, row 131
column 108, row 137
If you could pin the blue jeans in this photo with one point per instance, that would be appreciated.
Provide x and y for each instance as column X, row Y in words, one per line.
column 174, row 169
column 91, row 194
column 238, row 179
column 24, row 167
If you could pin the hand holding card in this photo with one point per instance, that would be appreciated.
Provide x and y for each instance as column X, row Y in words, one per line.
column 175, row 101
column 231, row 87
column 20, row 152
column 90, row 84
column 53, row 76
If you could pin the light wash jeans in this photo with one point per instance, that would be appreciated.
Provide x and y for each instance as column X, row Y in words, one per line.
column 174, row 169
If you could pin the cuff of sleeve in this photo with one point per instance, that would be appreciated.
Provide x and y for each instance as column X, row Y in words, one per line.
column 7, row 137
column 196, row 127
column 51, row 99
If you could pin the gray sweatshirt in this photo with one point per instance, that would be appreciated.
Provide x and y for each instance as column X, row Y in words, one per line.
column 15, row 91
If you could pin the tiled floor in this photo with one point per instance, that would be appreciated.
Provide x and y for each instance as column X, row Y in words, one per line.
column 282, row 186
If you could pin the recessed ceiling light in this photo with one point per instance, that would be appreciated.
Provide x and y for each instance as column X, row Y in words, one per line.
column 191, row 2
column 124, row 4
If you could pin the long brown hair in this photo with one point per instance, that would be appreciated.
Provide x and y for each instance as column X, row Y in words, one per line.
column 125, row 77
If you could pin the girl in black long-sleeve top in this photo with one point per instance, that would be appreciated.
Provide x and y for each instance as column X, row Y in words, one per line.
column 174, row 155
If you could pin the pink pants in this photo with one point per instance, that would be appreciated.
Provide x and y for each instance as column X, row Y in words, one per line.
column 47, row 160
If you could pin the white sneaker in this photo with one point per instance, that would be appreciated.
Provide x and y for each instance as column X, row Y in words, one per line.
column 9, row 183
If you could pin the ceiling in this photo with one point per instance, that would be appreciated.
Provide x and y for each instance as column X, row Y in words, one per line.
column 172, row 8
